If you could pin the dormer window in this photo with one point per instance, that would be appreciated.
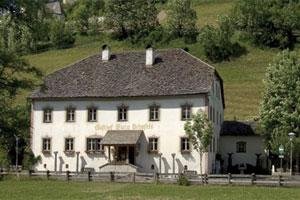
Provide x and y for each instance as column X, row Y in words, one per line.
column 70, row 114
column 92, row 114
column 122, row 113
column 47, row 116
column 154, row 113
column 186, row 112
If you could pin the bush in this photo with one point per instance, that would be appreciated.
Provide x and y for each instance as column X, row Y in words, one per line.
column 217, row 42
column 30, row 160
column 268, row 22
column 61, row 36
column 183, row 180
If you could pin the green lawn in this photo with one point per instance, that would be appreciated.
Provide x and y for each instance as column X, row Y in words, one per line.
column 242, row 76
column 42, row 189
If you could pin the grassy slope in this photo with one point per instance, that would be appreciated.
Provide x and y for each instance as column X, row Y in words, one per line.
column 242, row 76
column 31, row 190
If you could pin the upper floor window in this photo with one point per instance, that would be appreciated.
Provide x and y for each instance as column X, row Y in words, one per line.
column 185, row 144
column 46, row 145
column 122, row 113
column 70, row 117
column 69, row 144
column 92, row 114
column 241, row 147
column 154, row 113
column 186, row 112
column 47, row 117
column 153, row 144
column 94, row 145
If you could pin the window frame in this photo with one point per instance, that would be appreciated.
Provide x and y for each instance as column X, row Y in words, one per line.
column 157, row 118
column 44, row 115
column 48, row 150
column 185, row 146
column 241, row 147
column 94, row 149
column 91, row 115
column 121, row 110
column 68, row 110
column 153, row 142
column 183, row 112
column 66, row 144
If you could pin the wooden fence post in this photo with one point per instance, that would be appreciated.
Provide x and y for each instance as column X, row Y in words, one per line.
column 133, row 177
column 205, row 178
column 253, row 178
column 29, row 173
column 68, row 175
column 229, row 178
column 1, row 175
column 280, row 180
column 89, row 176
column 112, row 177
column 48, row 174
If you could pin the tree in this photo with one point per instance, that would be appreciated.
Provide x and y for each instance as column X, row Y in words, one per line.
column 218, row 42
column 182, row 20
column 280, row 107
column 268, row 22
column 131, row 18
column 15, row 74
column 61, row 36
column 199, row 130
column 83, row 10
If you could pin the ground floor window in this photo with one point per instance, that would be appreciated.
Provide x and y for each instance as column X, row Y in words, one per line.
column 46, row 144
column 185, row 144
column 94, row 145
column 241, row 147
column 69, row 144
column 153, row 144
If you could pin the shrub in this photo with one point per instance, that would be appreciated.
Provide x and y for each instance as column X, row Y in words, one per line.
column 61, row 36
column 30, row 160
column 217, row 42
column 183, row 180
column 268, row 22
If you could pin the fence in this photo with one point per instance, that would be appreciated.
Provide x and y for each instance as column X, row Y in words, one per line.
column 226, row 179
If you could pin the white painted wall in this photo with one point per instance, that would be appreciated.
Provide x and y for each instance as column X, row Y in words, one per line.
column 169, row 130
column 254, row 145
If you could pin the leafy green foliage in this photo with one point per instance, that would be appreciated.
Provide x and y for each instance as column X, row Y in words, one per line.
column 30, row 160
column 61, row 35
column 217, row 42
column 3, row 159
column 280, row 108
column 182, row 20
column 268, row 22
column 199, row 131
column 131, row 19
column 183, row 180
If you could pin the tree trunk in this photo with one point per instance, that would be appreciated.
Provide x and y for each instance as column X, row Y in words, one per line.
column 201, row 154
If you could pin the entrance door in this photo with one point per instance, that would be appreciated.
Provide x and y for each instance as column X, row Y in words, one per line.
column 131, row 155
column 121, row 155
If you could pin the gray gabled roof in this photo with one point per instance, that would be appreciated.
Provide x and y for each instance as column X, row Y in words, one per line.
column 175, row 72
column 121, row 137
column 238, row 128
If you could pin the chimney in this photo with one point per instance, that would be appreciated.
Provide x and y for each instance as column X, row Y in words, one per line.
column 149, row 56
column 105, row 53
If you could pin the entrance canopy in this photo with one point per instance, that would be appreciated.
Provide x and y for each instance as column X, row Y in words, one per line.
column 121, row 137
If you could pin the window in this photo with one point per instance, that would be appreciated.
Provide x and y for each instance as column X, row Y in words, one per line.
column 93, row 145
column 153, row 144
column 69, row 144
column 154, row 113
column 186, row 112
column 122, row 113
column 70, row 115
column 185, row 144
column 92, row 114
column 210, row 113
column 47, row 115
column 46, row 144
column 241, row 147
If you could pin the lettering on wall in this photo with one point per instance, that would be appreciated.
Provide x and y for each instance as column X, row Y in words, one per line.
column 121, row 126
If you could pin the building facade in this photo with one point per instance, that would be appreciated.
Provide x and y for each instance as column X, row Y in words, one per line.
column 126, row 112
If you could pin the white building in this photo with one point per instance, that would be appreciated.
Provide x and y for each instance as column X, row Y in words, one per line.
column 125, row 112
column 241, row 148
